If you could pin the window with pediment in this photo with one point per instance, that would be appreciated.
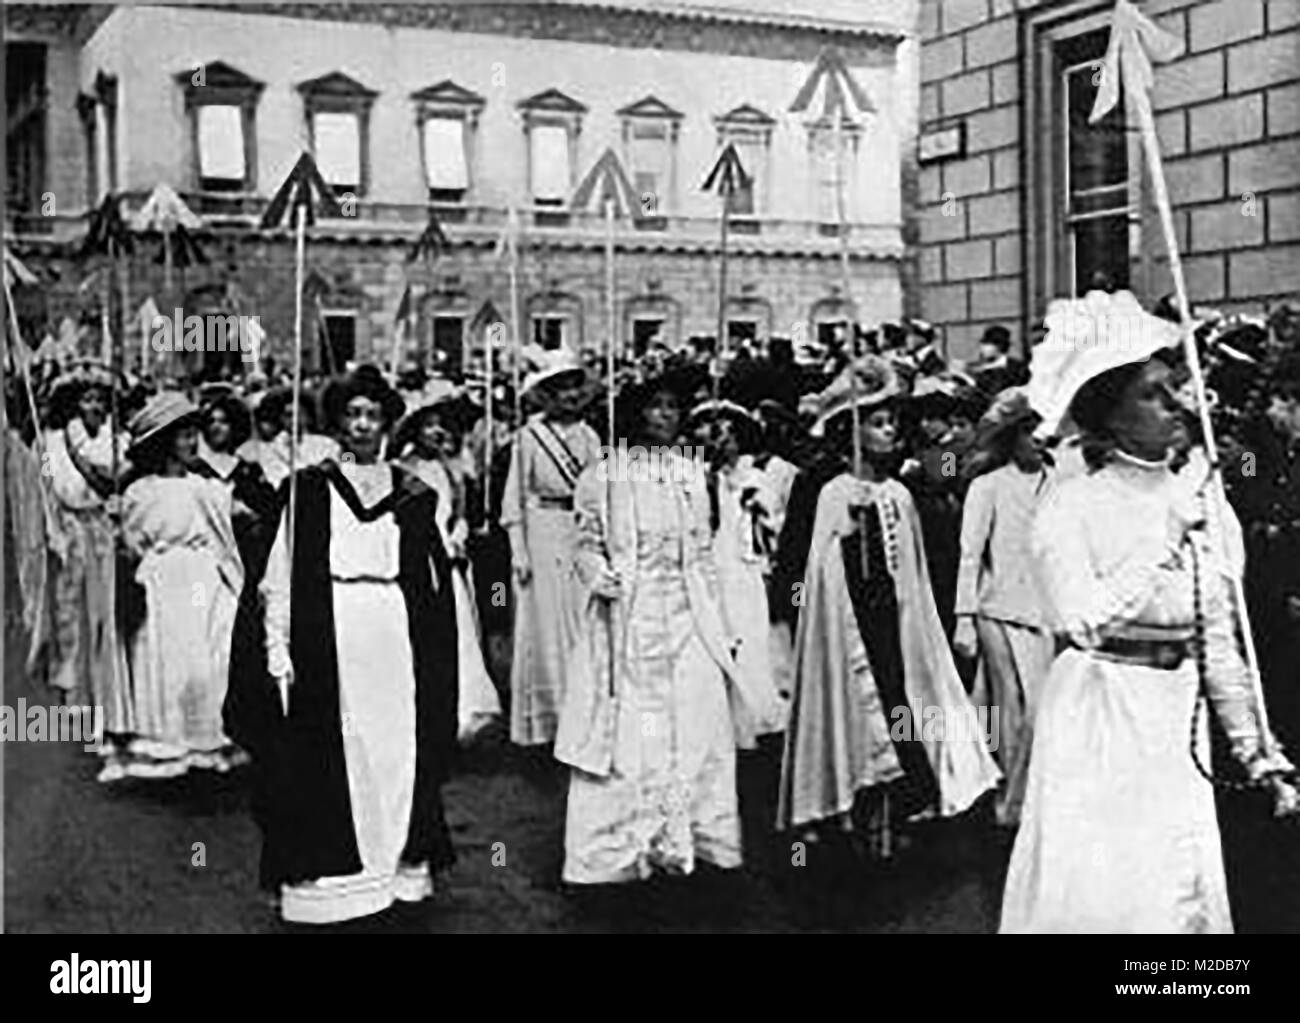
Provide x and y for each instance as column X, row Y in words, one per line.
column 221, row 103
column 447, row 116
column 337, row 109
column 552, row 123
column 650, row 132
column 750, row 131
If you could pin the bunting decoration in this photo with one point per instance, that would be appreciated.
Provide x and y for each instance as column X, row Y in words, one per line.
column 725, row 179
column 304, row 189
column 608, row 182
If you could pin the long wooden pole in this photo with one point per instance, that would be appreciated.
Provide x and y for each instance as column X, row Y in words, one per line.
column 296, row 397
column 491, row 427
column 1155, row 165
column 723, row 346
column 514, row 230
column 611, row 311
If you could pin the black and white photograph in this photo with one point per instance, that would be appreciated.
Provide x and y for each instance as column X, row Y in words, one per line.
column 640, row 467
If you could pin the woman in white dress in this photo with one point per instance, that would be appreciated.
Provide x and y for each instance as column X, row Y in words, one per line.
column 89, row 655
column 1118, row 832
column 1000, row 601
column 177, row 524
column 361, row 638
column 551, row 450
column 653, row 712
column 739, row 497
column 421, row 442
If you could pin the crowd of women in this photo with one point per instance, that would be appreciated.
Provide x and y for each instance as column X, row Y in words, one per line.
column 862, row 557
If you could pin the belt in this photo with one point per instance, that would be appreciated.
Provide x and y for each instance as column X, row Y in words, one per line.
column 1165, row 654
column 553, row 503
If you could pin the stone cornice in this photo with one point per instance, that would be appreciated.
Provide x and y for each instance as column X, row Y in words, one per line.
column 702, row 31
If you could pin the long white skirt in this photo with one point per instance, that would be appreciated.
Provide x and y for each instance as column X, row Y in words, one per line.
column 671, row 798
column 547, row 613
column 377, row 709
column 180, row 660
column 477, row 702
column 1118, row 833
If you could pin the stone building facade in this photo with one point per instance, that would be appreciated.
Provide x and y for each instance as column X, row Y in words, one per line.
column 526, row 98
column 1036, row 203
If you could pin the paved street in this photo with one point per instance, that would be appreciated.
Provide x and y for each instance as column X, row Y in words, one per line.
column 82, row 857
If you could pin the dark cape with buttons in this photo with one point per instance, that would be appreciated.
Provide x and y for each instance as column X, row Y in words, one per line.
column 304, row 802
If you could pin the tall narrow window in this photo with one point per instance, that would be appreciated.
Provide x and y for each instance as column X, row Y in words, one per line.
column 86, row 112
column 447, row 118
column 750, row 131
column 650, row 133
column 448, row 341
column 1096, row 193
column 338, row 339
column 222, row 105
column 25, row 109
column 106, row 92
column 337, row 141
column 552, row 122
column 552, row 171
column 338, row 117
column 1085, row 190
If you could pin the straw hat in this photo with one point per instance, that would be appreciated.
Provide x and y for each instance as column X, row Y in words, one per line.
column 876, row 383
column 552, row 365
column 1088, row 337
column 160, row 413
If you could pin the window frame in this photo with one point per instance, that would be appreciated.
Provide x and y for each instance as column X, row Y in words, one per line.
column 653, row 113
column 551, row 108
column 746, row 124
column 823, row 128
column 451, row 102
column 336, row 312
column 1047, row 227
column 337, row 93
column 225, row 86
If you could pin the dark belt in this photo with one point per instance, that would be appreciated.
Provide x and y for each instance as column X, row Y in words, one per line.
column 1165, row 654
column 554, row 503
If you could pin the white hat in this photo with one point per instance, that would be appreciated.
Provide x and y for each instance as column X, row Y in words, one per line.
column 877, row 382
column 547, row 365
column 1085, row 338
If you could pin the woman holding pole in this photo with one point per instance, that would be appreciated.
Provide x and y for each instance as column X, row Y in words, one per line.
column 553, row 448
column 1119, row 832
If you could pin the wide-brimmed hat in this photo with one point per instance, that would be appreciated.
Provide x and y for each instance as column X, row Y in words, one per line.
column 161, row 413
column 439, row 395
column 559, row 365
column 866, row 383
column 1087, row 337
column 364, row 381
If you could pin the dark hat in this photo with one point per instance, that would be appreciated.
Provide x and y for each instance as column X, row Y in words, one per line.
column 998, row 336
column 364, row 381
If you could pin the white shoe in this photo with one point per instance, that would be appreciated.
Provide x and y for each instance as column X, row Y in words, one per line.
column 114, row 770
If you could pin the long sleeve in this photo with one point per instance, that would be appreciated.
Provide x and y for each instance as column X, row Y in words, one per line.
column 512, row 501
column 1227, row 678
column 1089, row 601
column 133, row 522
column 976, row 528
column 275, row 588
